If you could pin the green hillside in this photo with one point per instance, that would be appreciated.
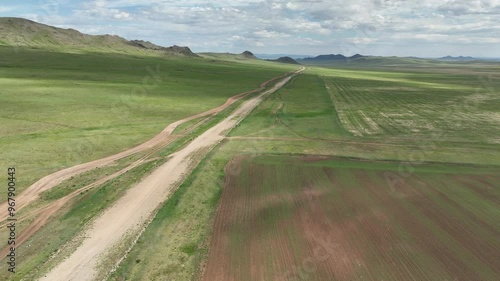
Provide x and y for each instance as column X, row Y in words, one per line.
column 23, row 33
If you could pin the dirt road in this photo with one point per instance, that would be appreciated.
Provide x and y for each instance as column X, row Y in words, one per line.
column 43, row 213
column 49, row 181
column 131, row 211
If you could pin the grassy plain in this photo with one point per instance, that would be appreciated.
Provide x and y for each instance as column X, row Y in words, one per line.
column 61, row 109
column 64, row 230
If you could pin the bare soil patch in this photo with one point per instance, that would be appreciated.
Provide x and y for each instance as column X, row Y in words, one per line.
column 294, row 219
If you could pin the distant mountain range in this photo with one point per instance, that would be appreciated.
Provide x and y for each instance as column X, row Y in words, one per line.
column 321, row 59
column 277, row 56
column 20, row 32
column 331, row 57
column 460, row 58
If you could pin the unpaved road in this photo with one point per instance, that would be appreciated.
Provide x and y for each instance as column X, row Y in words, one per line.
column 131, row 211
column 158, row 142
column 47, row 182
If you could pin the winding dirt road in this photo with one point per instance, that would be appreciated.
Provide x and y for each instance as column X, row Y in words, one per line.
column 33, row 192
column 43, row 213
column 130, row 213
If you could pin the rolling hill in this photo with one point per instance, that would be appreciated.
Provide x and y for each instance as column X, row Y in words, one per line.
column 19, row 32
column 331, row 57
column 288, row 60
column 245, row 56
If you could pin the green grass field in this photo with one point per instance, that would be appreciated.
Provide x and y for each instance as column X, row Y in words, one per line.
column 63, row 232
column 62, row 109
column 302, row 109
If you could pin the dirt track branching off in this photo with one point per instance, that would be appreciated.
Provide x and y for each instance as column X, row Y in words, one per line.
column 139, row 203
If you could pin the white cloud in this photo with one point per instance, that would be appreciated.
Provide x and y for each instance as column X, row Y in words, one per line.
column 361, row 40
column 4, row 9
column 318, row 26
column 270, row 34
column 121, row 15
column 100, row 9
column 464, row 7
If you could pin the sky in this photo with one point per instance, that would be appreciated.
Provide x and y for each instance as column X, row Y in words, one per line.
column 423, row 28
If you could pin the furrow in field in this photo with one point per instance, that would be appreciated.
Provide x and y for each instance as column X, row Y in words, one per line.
column 421, row 229
column 482, row 187
column 435, row 256
column 482, row 254
column 434, row 231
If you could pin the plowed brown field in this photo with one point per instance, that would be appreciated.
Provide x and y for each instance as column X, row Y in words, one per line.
column 289, row 218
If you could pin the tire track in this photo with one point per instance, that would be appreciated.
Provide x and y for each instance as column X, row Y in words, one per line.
column 133, row 210
column 154, row 145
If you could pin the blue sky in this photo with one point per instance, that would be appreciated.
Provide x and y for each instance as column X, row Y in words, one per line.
column 425, row 28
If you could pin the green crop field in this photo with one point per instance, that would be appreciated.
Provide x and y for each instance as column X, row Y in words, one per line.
column 384, row 104
column 458, row 108
column 328, row 108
